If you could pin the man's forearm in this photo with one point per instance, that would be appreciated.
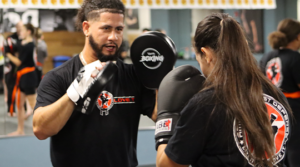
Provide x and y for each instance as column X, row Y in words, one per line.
column 49, row 120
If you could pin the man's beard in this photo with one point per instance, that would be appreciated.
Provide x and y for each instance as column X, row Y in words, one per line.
column 98, row 50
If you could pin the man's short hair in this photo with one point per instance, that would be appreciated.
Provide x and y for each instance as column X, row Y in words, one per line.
column 91, row 10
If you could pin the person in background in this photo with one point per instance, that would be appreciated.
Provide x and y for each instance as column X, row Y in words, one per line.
column 13, row 43
column 124, row 50
column 146, row 30
column 26, row 78
column 41, row 53
column 132, row 19
column 161, row 31
column 2, row 61
column 282, row 67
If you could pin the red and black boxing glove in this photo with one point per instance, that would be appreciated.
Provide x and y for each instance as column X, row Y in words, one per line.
column 175, row 90
column 10, row 45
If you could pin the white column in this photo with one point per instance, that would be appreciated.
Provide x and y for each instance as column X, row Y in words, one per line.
column 199, row 14
column 298, row 10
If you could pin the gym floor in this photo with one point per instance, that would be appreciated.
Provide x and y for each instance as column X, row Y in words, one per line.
column 9, row 124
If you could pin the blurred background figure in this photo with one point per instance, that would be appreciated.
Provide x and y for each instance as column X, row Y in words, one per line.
column 1, row 61
column 26, row 77
column 146, row 30
column 161, row 31
column 251, row 20
column 282, row 67
column 41, row 53
column 124, row 50
column 10, row 68
column 131, row 19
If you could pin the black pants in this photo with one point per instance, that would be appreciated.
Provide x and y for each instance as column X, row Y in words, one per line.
column 39, row 75
column 10, row 81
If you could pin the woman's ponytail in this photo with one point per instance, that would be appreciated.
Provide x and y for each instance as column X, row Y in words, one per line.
column 277, row 40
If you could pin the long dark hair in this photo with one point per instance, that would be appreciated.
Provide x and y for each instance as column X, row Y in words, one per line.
column 287, row 31
column 237, row 81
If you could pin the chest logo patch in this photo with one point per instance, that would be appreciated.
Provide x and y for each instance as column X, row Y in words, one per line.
column 279, row 119
column 106, row 101
column 273, row 71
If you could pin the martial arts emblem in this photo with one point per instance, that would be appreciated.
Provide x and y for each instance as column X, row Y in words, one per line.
column 273, row 71
column 151, row 58
column 280, row 123
column 163, row 125
column 105, row 102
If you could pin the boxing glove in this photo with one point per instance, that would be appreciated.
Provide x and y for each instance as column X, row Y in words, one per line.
column 10, row 45
column 85, row 89
column 175, row 90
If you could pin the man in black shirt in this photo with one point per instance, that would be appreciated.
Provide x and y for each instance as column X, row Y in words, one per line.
column 108, row 135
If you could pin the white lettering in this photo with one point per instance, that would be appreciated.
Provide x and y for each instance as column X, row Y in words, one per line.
column 152, row 58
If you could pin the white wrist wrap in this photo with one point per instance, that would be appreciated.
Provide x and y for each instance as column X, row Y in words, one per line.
column 81, row 84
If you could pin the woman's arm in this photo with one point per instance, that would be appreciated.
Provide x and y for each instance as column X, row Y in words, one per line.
column 154, row 114
column 162, row 160
column 14, row 59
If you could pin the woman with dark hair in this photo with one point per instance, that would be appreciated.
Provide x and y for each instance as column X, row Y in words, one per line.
column 282, row 67
column 239, row 118
column 26, row 80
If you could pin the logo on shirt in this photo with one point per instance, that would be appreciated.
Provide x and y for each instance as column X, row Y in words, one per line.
column 163, row 125
column 273, row 71
column 280, row 124
column 106, row 101
column 151, row 58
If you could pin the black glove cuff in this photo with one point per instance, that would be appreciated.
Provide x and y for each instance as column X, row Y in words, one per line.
column 161, row 141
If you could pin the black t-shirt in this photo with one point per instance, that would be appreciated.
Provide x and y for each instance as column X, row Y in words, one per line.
column 26, row 55
column 206, row 137
column 282, row 67
column 106, row 137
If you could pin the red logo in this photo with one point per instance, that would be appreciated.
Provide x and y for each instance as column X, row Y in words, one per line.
column 280, row 123
column 278, row 126
column 168, row 124
column 106, row 101
column 273, row 71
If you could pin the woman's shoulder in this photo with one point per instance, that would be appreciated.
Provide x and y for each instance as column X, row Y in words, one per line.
column 204, row 95
column 202, row 99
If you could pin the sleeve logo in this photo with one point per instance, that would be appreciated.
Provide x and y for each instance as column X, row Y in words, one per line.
column 163, row 125
column 280, row 124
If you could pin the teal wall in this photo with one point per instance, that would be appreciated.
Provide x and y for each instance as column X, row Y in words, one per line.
column 177, row 24
column 285, row 9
